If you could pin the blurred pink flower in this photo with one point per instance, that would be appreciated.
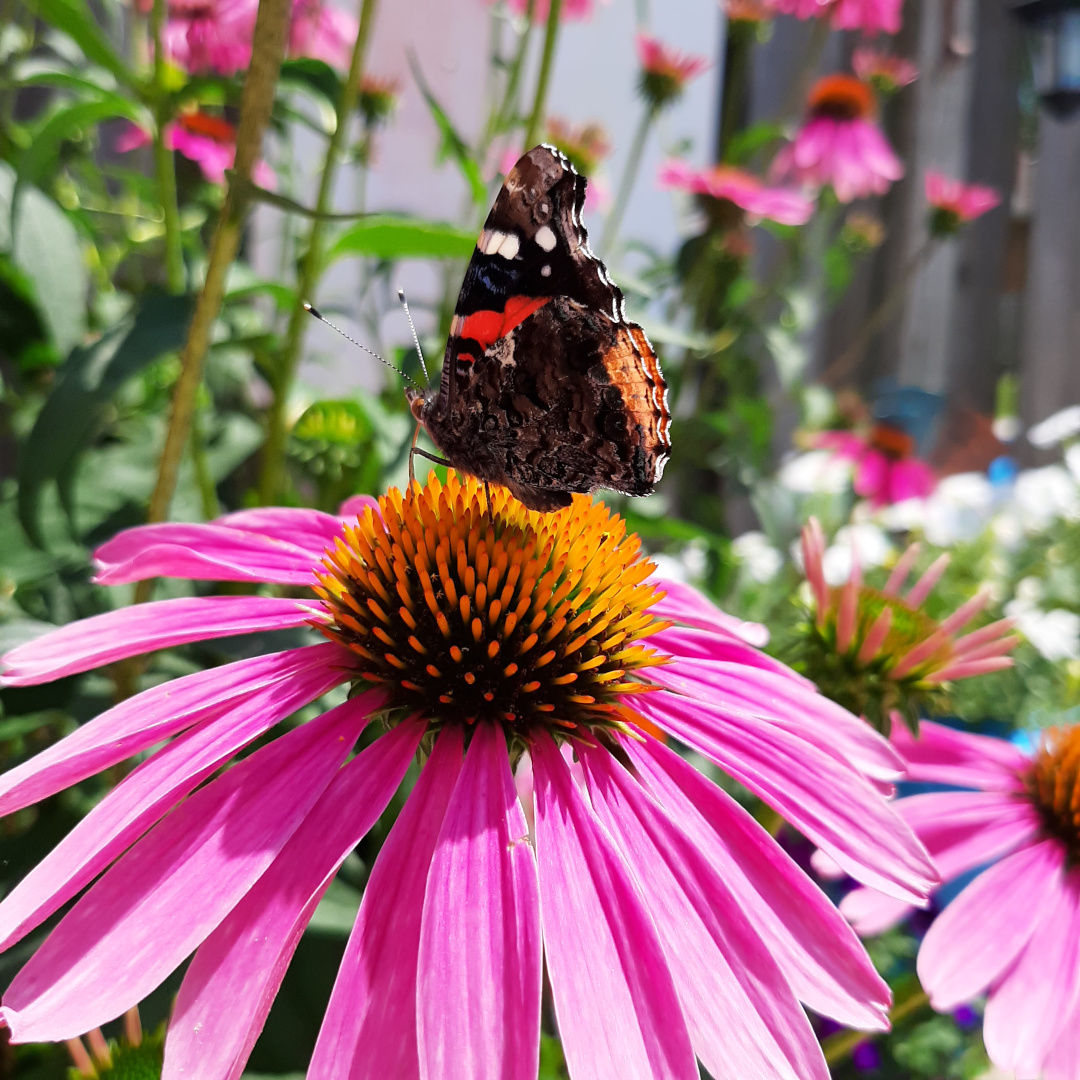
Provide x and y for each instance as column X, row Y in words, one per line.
column 954, row 203
column 665, row 71
column 571, row 9
column 1013, row 934
column 839, row 144
column 746, row 191
column 884, row 72
column 323, row 32
column 670, row 923
column 210, row 35
column 869, row 16
column 886, row 470
column 749, row 10
column 207, row 140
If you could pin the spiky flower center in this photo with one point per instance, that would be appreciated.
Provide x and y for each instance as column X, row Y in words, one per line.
column 464, row 612
column 841, row 97
column 1053, row 783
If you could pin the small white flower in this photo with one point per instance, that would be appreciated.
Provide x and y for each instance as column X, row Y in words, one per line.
column 761, row 559
column 1043, row 495
column 1055, row 633
column 958, row 510
column 1072, row 461
column 1056, row 428
column 817, row 472
column 871, row 547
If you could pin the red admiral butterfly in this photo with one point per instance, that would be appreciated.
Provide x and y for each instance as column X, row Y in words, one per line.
column 546, row 388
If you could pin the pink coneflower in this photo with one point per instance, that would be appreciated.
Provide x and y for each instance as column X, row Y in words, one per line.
column 211, row 35
column 869, row 16
column 378, row 99
column 571, row 9
column 207, row 140
column 665, row 71
column 883, row 72
column 724, row 182
column 670, row 923
column 1014, row 932
column 839, row 144
column 323, row 32
column 752, row 11
column 886, row 469
column 878, row 653
column 954, row 203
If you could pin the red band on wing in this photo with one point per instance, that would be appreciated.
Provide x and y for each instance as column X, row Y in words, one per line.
column 487, row 327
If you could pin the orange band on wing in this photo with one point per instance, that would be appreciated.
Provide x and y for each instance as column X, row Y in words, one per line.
column 487, row 327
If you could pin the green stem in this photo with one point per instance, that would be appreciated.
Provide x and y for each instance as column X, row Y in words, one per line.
column 207, row 489
column 271, row 480
column 628, row 179
column 551, row 34
column 163, row 160
column 837, row 1047
column 513, row 81
column 795, row 99
column 256, row 102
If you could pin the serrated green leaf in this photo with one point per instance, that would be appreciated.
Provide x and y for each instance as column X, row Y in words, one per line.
column 87, row 380
column 384, row 236
column 76, row 20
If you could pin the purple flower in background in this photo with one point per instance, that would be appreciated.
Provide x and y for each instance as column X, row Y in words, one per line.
column 204, row 36
column 322, row 32
column 489, row 640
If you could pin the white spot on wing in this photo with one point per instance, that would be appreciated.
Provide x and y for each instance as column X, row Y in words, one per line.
column 490, row 241
column 508, row 249
column 545, row 271
column 546, row 238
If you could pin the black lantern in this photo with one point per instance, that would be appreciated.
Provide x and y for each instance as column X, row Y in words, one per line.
column 1054, row 34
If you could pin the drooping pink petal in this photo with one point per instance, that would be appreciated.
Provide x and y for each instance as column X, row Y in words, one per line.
column 161, row 712
column 1032, row 1000
column 143, row 628
column 871, row 913
column 743, row 1016
column 782, row 701
column 818, row 952
column 369, row 1031
column 943, row 755
column 167, row 893
column 233, row 979
column 355, row 506
column 210, row 552
column 704, row 645
column 831, row 804
column 980, row 933
column 311, row 530
column 145, row 796
column 684, row 604
column 615, row 1002
column 480, row 967
column 1061, row 1062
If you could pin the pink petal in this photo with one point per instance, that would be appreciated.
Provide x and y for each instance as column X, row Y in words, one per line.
column 145, row 796
column 831, row 804
column 369, row 1031
column 1063, row 1061
column 615, row 1002
column 684, row 604
column 143, row 628
column 355, row 506
column 980, row 933
column 311, row 530
column 233, row 979
column 871, row 913
column 1032, row 1000
column 782, row 701
column 819, row 953
column 202, row 552
column 943, row 755
column 166, row 894
column 480, row 967
column 743, row 1017
column 161, row 712
column 966, row 829
column 704, row 645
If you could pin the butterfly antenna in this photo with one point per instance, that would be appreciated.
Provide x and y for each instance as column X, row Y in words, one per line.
column 416, row 340
column 312, row 310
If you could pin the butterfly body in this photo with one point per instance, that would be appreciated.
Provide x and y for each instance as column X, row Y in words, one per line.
column 546, row 388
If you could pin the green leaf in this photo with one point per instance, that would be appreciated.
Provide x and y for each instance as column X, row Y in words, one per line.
column 314, row 75
column 46, row 249
column 745, row 144
column 453, row 145
column 384, row 236
column 88, row 379
column 76, row 20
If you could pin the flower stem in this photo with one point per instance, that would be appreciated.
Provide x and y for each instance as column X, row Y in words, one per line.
column 837, row 1047
column 880, row 317
column 272, row 477
column 163, row 161
column 628, row 179
column 256, row 102
column 551, row 34
column 501, row 119
column 795, row 98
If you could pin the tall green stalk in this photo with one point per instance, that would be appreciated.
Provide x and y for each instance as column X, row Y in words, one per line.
column 271, row 480
column 628, row 179
column 163, row 160
column 551, row 35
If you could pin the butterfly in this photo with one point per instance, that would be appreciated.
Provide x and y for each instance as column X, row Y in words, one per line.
column 546, row 388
